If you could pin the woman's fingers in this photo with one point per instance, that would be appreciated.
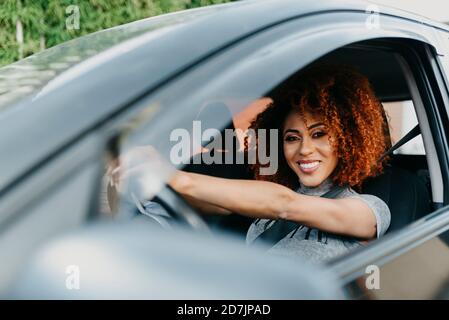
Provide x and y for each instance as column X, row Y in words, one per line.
column 141, row 168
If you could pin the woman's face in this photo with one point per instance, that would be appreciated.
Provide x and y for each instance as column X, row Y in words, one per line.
column 307, row 149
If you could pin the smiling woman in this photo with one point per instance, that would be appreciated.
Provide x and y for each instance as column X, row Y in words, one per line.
column 300, row 142
column 334, row 109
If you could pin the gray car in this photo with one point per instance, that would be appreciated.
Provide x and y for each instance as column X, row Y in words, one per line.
column 68, row 112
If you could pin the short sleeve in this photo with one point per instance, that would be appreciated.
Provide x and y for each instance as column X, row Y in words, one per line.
column 380, row 210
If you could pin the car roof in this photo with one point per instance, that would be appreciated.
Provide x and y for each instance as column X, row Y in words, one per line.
column 28, row 76
column 53, row 96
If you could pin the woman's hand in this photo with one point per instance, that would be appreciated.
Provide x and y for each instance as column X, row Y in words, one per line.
column 141, row 170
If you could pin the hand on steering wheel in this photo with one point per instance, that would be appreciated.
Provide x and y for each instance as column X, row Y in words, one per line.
column 140, row 175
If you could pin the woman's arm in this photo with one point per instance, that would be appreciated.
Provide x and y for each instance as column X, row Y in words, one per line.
column 206, row 207
column 262, row 199
column 247, row 197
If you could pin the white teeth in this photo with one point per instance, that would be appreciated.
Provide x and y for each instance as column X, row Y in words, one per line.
column 309, row 165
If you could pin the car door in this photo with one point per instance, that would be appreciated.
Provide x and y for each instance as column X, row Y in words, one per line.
column 52, row 199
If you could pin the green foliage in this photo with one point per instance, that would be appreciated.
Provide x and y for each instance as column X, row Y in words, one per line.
column 44, row 21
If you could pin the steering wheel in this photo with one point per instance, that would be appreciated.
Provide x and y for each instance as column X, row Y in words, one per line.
column 175, row 205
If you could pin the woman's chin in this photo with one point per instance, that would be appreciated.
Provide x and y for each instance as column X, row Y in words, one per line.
column 310, row 182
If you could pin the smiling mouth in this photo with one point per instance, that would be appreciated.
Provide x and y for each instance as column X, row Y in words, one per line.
column 308, row 167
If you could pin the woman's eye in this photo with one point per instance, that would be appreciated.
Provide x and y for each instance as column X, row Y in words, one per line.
column 318, row 134
column 291, row 138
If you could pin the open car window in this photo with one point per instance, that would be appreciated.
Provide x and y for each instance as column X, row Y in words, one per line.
column 402, row 119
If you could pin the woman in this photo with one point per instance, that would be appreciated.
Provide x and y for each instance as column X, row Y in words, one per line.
column 332, row 133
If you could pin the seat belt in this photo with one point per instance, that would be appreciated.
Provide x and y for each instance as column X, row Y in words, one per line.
column 281, row 228
column 409, row 136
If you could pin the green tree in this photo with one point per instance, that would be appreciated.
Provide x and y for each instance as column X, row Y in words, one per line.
column 29, row 26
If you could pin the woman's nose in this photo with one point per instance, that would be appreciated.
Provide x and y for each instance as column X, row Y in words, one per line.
column 307, row 147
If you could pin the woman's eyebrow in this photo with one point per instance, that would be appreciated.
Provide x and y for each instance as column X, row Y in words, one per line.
column 309, row 128
column 291, row 130
column 315, row 125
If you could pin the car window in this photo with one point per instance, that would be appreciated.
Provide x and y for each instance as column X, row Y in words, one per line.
column 402, row 118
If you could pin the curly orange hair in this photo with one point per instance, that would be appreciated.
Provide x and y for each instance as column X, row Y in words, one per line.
column 345, row 101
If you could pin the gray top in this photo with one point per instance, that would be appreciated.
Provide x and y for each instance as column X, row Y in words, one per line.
column 316, row 245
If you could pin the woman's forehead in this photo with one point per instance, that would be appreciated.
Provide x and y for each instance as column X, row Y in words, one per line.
column 305, row 119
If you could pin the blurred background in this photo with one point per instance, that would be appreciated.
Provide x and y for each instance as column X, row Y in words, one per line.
column 434, row 9
column 30, row 26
